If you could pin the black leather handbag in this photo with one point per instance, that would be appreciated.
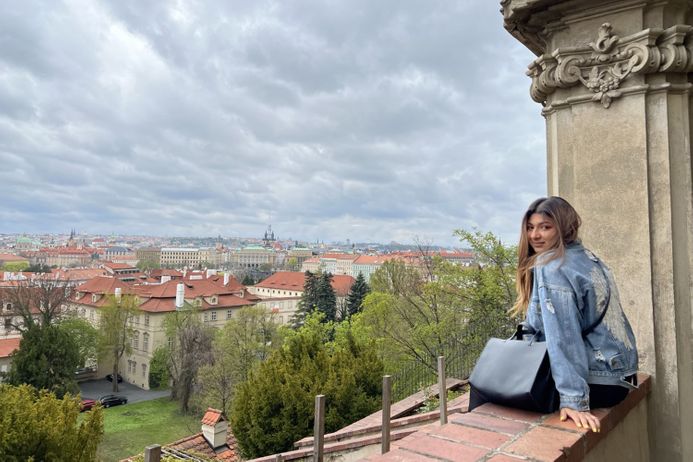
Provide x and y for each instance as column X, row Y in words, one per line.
column 517, row 372
column 514, row 373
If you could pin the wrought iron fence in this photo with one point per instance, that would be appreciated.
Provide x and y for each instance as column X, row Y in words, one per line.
column 461, row 353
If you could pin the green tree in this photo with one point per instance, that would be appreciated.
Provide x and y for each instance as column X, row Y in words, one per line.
column 274, row 407
column 15, row 266
column 308, row 302
column 190, row 347
column 115, row 330
column 147, row 265
column 38, row 426
column 318, row 295
column 438, row 308
column 46, row 359
column 158, row 368
column 326, row 300
column 244, row 341
column 292, row 264
column 357, row 293
column 85, row 336
column 38, row 268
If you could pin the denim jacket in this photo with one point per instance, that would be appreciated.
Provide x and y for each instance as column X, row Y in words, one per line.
column 568, row 295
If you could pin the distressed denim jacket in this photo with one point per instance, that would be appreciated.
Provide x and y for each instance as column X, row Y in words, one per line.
column 568, row 295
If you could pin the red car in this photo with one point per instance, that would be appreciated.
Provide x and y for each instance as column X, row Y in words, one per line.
column 86, row 404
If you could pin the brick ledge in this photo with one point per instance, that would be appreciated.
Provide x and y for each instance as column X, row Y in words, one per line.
column 498, row 434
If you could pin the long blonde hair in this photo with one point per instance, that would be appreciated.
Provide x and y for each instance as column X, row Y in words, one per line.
column 567, row 222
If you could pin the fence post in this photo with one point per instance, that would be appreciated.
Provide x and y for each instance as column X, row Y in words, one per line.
column 279, row 458
column 442, row 391
column 387, row 398
column 152, row 453
column 319, row 428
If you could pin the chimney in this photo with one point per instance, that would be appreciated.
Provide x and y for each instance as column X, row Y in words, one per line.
column 180, row 296
column 226, row 279
column 214, row 428
column 118, row 293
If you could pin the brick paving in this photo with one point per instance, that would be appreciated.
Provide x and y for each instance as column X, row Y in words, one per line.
column 492, row 433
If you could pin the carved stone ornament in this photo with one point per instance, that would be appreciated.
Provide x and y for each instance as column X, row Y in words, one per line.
column 603, row 65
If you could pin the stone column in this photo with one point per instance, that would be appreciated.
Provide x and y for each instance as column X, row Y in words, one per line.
column 613, row 77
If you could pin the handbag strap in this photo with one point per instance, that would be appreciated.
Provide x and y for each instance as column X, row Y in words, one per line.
column 591, row 327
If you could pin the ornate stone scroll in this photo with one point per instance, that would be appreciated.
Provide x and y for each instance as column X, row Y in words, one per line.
column 603, row 65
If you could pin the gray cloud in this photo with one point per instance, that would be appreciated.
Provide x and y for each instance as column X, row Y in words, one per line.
column 365, row 120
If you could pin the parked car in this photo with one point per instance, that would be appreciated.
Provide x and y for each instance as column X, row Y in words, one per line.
column 112, row 400
column 86, row 404
column 109, row 377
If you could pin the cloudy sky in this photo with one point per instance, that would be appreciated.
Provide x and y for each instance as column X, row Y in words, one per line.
column 331, row 119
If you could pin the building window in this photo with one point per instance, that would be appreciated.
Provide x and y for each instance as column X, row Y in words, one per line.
column 8, row 307
column 214, row 315
column 144, row 370
column 136, row 341
column 229, row 313
column 145, row 341
column 146, row 319
column 205, row 316
column 8, row 324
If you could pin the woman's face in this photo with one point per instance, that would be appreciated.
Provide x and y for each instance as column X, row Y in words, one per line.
column 541, row 233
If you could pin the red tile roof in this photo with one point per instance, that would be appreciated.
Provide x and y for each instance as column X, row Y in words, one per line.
column 295, row 280
column 198, row 444
column 162, row 297
column 8, row 345
column 212, row 417
column 104, row 285
column 372, row 259
column 339, row 256
column 10, row 257
column 115, row 266
column 76, row 274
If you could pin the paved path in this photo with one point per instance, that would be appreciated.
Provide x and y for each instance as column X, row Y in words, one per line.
column 94, row 389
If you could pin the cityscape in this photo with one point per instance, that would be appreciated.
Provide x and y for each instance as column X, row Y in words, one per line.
column 277, row 231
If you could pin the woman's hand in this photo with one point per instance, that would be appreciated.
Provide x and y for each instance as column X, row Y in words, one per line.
column 582, row 419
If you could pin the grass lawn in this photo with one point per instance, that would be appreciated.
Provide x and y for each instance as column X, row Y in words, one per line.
column 128, row 429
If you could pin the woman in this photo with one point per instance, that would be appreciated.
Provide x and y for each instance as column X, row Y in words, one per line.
column 564, row 290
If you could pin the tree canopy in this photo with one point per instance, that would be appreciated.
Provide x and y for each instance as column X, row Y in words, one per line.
column 274, row 407
column 46, row 359
column 318, row 295
column 85, row 335
column 245, row 340
column 357, row 294
column 38, row 426
column 190, row 347
column 115, row 330
column 420, row 311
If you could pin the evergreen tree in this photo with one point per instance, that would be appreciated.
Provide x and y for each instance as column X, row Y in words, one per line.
column 46, row 359
column 326, row 300
column 308, row 302
column 357, row 293
column 38, row 426
column 274, row 407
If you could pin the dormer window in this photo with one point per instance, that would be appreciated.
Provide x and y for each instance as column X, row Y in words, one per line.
column 94, row 298
column 214, row 300
column 8, row 307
